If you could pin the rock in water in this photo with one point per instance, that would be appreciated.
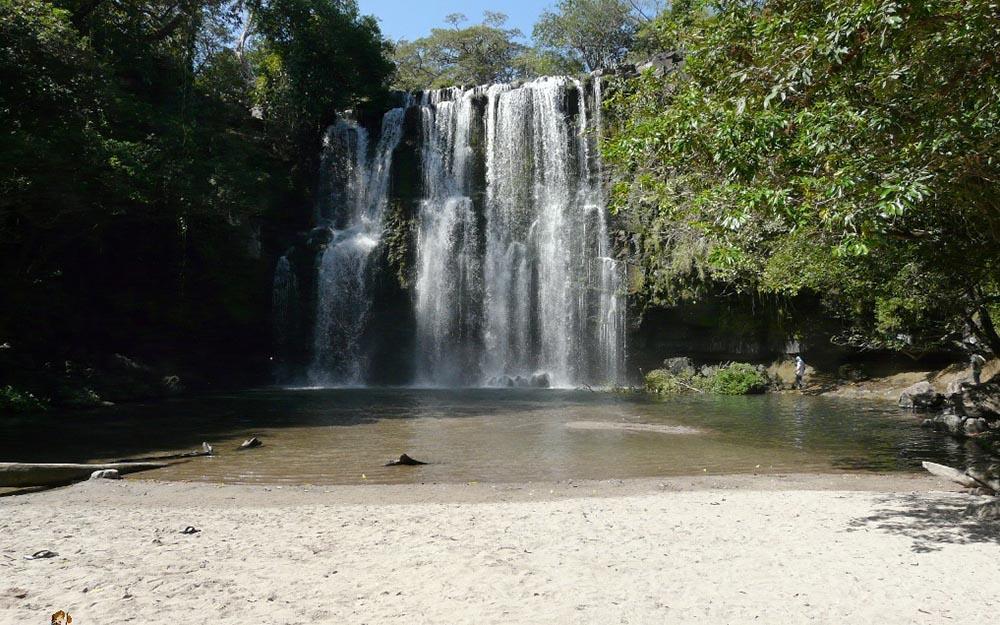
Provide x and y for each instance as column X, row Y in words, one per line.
column 404, row 460
column 921, row 396
column 541, row 380
column 106, row 474
column 250, row 443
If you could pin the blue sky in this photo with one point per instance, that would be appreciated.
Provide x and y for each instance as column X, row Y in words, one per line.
column 410, row 19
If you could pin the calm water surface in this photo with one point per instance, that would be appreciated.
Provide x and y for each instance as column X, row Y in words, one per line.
column 345, row 436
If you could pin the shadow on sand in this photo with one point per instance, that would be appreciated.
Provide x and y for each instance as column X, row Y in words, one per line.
column 930, row 520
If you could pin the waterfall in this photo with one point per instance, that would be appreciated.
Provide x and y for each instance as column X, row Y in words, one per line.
column 548, row 301
column 448, row 286
column 357, row 191
column 513, row 280
column 285, row 313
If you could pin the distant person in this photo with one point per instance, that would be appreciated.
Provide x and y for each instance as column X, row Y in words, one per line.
column 977, row 362
column 800, row 371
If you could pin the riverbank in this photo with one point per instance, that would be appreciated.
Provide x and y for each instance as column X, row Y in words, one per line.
column 853, row 548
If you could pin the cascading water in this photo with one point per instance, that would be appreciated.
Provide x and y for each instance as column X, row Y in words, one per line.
column 359, row 184
column 448, row 286
column 513, row 280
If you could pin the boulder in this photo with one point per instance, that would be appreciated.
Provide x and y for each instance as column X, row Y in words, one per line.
column 921, row 396
column 680, row 365
column 974, row 426
column 947, row 422
column 541, row 380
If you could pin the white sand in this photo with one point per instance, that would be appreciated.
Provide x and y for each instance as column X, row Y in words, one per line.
column 795, row 549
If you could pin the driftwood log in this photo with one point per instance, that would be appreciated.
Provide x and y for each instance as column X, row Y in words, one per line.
column 27, row 474
column 971, row 478
column 206, row 450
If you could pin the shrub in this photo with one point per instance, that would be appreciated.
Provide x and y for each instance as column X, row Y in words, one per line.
column 738, row 378
column 663, row 382
column 14, row 400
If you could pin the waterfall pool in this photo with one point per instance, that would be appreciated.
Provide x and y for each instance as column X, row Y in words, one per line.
column 345, row 436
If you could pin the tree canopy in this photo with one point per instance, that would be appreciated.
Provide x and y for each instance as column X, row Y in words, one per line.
column 145, row 141
column 460, row 55
column 840, row 149
column 599, row 33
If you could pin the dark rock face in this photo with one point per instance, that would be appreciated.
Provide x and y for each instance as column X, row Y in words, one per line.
column 921, row 396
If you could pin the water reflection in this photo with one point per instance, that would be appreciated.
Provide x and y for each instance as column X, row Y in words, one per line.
column 336, row 436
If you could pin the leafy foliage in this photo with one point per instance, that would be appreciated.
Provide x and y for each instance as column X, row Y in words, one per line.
column 840, row 149
column 151, row 148
column 14, row 401
column 738, row 378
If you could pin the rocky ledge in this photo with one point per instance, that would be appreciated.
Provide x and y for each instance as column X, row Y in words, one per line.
column 965, row 410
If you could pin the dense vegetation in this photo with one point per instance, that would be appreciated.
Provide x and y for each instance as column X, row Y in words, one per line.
column 832, row 150
column 153, row 150
column 734, row 378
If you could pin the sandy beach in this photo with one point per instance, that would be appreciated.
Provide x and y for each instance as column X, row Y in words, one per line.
column 707, row 549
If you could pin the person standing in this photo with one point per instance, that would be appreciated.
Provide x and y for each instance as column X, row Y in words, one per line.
column 977, row 362
column 800, row 371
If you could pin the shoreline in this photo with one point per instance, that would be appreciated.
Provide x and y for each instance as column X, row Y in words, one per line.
column 139, row 490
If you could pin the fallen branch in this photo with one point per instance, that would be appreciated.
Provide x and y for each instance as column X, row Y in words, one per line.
column 959, row 477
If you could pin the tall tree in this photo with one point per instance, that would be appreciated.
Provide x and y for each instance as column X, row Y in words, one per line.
column 600, row 33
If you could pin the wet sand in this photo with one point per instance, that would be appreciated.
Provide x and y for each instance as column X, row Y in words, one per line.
column 850, row 548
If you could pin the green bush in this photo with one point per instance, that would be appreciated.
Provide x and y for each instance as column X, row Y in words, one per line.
column 738, row 378
column 663, row 382
column 14, row 400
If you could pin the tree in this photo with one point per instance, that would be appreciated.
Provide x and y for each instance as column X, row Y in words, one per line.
column 474, row 55
column 599, row 33
column 840, row 150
